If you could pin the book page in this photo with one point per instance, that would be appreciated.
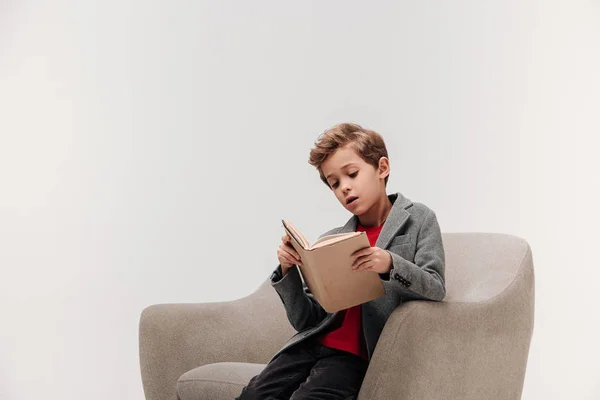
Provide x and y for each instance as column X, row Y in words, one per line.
column 331, row 239
column 330, row 236
column 295, row 234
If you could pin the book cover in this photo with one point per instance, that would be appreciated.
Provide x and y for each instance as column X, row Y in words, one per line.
column 327, row 269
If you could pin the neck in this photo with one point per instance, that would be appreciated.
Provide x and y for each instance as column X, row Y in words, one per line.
column 377, row 214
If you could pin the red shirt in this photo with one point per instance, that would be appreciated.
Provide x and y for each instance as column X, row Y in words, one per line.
column 349, row 336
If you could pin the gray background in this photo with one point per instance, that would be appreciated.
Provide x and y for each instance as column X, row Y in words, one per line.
column 148, row 149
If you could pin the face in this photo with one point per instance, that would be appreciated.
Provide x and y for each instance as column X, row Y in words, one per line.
column 348, row 176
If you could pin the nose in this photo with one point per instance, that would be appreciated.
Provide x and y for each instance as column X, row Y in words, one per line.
column 346, row 189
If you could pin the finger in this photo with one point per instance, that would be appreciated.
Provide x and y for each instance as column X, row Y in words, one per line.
column 289, row 244
column 361, row 263
column 282, row 253
column 362, row 252
column 293, row 252
column 293, row 255
column 358, row 261
column 365, row 266
column 290, row 260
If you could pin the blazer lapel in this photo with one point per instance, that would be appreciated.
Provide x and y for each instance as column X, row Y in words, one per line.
column 394, row 221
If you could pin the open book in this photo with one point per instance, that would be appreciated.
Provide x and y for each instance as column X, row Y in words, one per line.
column 327, row 269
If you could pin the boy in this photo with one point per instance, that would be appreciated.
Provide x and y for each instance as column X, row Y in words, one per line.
column 329, row 356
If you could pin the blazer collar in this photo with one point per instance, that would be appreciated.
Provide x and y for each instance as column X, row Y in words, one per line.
column 394, row 221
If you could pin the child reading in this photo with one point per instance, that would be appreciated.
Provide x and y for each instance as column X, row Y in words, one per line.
column 329, row 356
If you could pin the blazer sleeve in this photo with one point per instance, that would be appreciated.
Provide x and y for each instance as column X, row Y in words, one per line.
column 302, row 309
column 425, row 278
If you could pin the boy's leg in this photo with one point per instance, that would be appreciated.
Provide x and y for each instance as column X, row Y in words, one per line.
column 336, row 375
column 283, row 374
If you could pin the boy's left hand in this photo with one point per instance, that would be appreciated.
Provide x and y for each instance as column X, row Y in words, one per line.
column 371, row 259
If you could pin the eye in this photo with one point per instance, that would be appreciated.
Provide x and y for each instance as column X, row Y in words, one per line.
column 334, row 185
column 352, row 175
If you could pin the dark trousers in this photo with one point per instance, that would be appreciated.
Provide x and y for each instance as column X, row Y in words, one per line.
column 308, row 370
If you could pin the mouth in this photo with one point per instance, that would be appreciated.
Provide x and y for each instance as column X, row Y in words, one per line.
column 351, row 199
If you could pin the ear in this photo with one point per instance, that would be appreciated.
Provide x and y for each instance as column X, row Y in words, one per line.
column 384, row 167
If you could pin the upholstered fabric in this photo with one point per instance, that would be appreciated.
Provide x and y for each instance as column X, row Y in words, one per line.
column 223, row 380
column 472, row 345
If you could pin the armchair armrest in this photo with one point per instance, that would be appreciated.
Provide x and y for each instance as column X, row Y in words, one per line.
column 471, row 349
column 175, row 338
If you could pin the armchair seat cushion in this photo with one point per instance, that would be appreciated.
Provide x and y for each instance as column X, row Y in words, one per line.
column 222, row 380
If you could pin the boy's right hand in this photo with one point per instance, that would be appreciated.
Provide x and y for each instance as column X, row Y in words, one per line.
column 287, row 255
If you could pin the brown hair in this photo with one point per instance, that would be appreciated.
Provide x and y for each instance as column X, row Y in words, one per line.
column 368, row 144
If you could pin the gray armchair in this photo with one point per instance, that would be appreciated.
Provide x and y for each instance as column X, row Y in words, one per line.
column 473, row 345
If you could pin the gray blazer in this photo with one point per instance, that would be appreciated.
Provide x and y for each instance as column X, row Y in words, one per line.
column 412, row 236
